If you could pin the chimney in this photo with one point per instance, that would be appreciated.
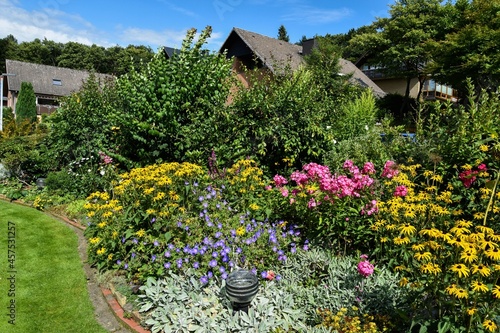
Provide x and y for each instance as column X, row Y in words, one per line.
column 308, row 46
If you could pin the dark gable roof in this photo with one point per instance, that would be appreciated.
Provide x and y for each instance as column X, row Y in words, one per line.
column 170, row 51
column 275, row 54
column 42, row 78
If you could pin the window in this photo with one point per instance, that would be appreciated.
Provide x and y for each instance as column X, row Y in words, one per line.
column 56, row 82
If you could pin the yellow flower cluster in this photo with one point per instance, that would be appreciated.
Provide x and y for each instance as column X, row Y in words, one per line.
column 435, row 244
column 349, row 321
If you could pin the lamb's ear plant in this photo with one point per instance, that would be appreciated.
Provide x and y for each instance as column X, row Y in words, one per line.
column 178, row 305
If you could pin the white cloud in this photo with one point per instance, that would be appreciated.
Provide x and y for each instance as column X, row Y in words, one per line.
column 50, row 23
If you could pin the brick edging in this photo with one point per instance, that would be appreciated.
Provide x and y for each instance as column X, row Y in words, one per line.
column 119, row 313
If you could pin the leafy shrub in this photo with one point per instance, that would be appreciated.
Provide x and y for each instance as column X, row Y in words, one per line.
column 83, row 176
column 167, row 105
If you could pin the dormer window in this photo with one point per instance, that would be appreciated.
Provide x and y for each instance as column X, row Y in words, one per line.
column 56, row 82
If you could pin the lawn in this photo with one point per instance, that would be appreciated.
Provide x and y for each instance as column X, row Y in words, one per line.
column 42, row 282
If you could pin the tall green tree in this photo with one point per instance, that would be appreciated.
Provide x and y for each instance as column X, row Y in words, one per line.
column 283, row 34
column 400, row 44
column 470, row 49
column 8, row 50
column 26, row 103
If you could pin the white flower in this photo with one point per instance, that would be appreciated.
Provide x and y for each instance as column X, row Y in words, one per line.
column 328, row 127
column 366, row 127
column 102, row 172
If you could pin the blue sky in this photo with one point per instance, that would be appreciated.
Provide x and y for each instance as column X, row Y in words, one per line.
column 164, row 22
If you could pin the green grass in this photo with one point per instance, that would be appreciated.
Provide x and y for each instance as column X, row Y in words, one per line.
column 50, row 285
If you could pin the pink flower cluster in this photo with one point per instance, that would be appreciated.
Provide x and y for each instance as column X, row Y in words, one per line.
column 331, row 185
column 364, row 267
column 390, row 169
column 105, row 158
column 400, row 191
column 468, row 177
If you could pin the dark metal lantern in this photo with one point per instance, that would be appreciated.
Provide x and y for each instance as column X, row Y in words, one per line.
column 241, row 287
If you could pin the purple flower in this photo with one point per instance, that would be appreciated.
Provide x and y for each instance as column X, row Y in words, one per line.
column 167, row 265
column 167, row 254
column 133, row 255
column 118, row 262
column 254, row 271
column 224, row 276
column 153, row 220
column 201, row 198
column 126, row 266
column 153, row 258
column 215, row 254
column 218, row 234
column 196, row 265
column 135, row 241
column 210, row 274
column 204, row 279
column 212, row 263
column 179, row 263
column 155, row 243
column 222, row 269
column 264, row 274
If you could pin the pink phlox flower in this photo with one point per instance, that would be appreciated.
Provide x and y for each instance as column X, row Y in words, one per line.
column 105, row 158
column 279, row 180
column 349, row 165
column 299, row 177
column 313, row 203
column 368, row 168
column 400, row 191
column 316, row 171
column 370, row 208
column 390, row 169
column 284, row 192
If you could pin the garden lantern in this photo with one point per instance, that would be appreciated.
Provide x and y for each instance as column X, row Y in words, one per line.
column 241, row 287
column 40, row 183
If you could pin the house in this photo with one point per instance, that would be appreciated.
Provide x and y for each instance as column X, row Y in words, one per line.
column 252, row 50
column 430, row 89
column 49, row 83
column 170, row 51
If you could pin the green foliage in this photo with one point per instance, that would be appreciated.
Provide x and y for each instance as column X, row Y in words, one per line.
column 26, row 103
column 469, row 50
column 168, row 103
column 85, row 123
column 452, row 134
column 26, row 157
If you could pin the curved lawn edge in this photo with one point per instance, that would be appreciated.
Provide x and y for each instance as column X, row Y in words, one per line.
column 53, row 289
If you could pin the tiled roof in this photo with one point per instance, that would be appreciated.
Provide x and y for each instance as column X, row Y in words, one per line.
column 275, row 54
column 46, row 80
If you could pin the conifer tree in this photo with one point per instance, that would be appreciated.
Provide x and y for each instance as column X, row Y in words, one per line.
column 282, row 34
column 26, row 103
